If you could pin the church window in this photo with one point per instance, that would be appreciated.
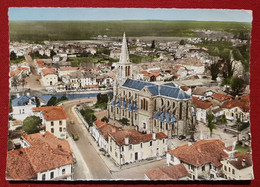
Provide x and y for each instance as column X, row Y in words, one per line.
column 180, row 114
column 155, row 104
column 162, row 102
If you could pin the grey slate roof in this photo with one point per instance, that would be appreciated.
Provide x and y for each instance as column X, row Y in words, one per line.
column 22, row 101
column 167, row 90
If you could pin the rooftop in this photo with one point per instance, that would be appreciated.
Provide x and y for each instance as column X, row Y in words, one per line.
column 105, row 128
column 247, row 157
column 243, row 104
column 168, row 173
column 201, row 152
column 47, row 71
column 221, row 97
column 23, row 100
column 51, row 112
column 201, row 104
column 45, row 153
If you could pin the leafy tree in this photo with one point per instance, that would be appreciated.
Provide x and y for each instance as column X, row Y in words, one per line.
column 13, row 56
column 124, row 121
column 211, row 125
column 31, row 124
column 153, row 44
column 89, row 116
column 223, row 120
column 105, row 119
column 182, row 42
column 102, row 98
column 52, row 101
column 214, row 70
column 237, row 84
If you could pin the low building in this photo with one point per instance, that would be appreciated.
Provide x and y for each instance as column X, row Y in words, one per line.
column 13, row 125
column 54, row 118
column 237, row 109
column 202, row 159
column 202, row 108
column 43, row 157
column 49, row 77
column 22, row 107
column 221, row 98
column 128, row 146
column 238, row 168
column 100, row 131
column 175, row 172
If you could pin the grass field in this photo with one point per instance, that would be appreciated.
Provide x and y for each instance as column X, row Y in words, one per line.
column 241, row 149
column 82, row 30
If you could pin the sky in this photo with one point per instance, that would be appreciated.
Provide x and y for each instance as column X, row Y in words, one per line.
column 98, row 14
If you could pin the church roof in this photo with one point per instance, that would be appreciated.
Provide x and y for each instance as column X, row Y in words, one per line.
column 167, row 90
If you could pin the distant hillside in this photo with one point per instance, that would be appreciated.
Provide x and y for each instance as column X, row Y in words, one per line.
column 82, row 30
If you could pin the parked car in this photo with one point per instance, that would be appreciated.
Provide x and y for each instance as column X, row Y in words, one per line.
column 75, row 136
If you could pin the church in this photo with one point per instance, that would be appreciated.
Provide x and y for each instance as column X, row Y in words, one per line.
column 150, row 107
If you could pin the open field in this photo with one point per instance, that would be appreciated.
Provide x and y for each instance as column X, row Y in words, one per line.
column 38, row 31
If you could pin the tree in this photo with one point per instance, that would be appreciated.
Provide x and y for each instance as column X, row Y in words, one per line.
column 105, row 119
column 124, row 121
column 182, row 42
column 52, row 101
column 237, row 84
column 31, row 124
column 211, row 125
column 214, row 70
column 223, row 120
column 13, row 56
column 102, row 98
column 153, row 44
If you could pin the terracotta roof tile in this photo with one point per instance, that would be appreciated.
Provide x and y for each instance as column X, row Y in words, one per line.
column 47, row 71
column 105, row 128
column 45, row 153
column 201, row 152
column 247, row 157
column 221, row 97
column 51, row 112
column 201, row 104
column 168, row 173
column 135, row 137
column 185, row 88
column 40, row 63
column 243, row 104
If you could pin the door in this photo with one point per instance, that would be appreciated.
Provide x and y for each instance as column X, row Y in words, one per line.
column 136, row 156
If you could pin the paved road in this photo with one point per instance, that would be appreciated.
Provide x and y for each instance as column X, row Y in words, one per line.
column 96, row 165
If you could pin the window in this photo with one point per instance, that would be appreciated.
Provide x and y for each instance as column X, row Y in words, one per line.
column 233, row 171
column 141, row 145
column 111, row 109
column 144, row 125
column 63, row 171
column 130, row 147
column 135, row 116
column 43, row 177
column 228, row 169
column 52, row 174
column 180, row 114
column 60, row 129
column 151, row 143
column 122, row 148
column 52, row 130
column 52, row 123
column 203, row 168
column 110, row 148
column 60, row 122
column 225, row 168
column 116, row 154
column 117, row 111
column 163, row 141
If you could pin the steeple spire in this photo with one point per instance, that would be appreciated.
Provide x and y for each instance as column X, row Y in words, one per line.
column 124, row 57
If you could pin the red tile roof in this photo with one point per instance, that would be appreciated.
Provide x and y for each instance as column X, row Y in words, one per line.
column 201, row 152
column 47, row 71
column 201, row 104
column 45, row 153
column 185, row 88
column 17, row 71
column 105, row 128
column 51, row 112
column 174, row 172
column 92, row 86
column 134, row 136
column 221, row 97
column 247, row 157
column 40, row 63
column 243, row 104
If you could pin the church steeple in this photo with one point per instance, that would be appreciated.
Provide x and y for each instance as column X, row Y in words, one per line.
column 124, row 57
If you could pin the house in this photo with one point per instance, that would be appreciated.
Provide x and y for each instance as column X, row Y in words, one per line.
column 22, row 107
column 128, row 146
column 56, row 58
column 237, row 109
column 42, row 157
column 100, row 131
column 13, row 125
column 174, row 172
column 63, row 71
column 40, row 65
column 238, row 168
column 49, row 77
column 202, row 159
column 221, row 98
column 54, row 118
column 202, row 107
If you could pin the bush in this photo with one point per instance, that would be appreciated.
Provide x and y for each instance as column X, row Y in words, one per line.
column 75, row 136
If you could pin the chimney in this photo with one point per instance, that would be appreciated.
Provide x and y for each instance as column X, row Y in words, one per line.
column 42, row 132
column 244, row 162
column 127, row 140
column 154, row 136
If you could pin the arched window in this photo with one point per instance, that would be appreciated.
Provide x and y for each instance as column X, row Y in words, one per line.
column 162, row 102
column 168, row 103
column 180, row 114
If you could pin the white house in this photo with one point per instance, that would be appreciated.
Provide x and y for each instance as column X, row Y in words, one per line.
column 49, row 77
column 202, row 108
column 54, row 118
column 42, row 157
column 22, row 107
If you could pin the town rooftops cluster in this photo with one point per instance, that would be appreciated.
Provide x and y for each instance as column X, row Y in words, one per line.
column 45, row 153
column 201, row 152
column 243, row 160
column 47, row 71
column 201, row 104
column 105, row 128
column 167, row 90
column 17, row 71
column 51, row 112
column 243, row 103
